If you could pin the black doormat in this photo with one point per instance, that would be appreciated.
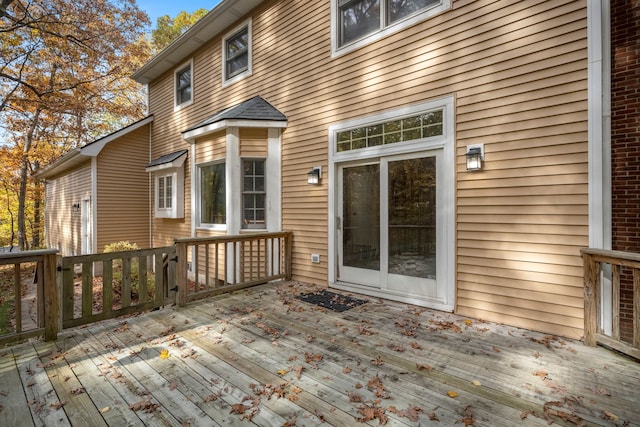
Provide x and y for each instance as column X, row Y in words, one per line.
column 331, row 300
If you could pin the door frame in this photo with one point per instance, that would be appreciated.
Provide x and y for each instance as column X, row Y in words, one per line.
column 445, row 143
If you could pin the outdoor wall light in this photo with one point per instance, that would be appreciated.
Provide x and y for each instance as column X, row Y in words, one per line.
column 75, row 207
column 314, row 175
column 475, row 156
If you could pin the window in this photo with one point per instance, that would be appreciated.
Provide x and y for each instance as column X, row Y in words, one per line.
column 356, row 21
column 213, row 202
column 236, row 50
column 184, row 86
column 165, row 192
column 410, row 128
column 253, row 194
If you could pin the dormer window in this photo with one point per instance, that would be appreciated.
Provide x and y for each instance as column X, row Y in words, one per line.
column 358, row 22
column 236, row 52
column 184, row 85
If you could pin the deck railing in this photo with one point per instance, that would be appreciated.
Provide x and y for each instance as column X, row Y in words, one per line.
column 77, row 290
column 215, row 265
column 102, row 286
column 14, row 313
column 593, row 260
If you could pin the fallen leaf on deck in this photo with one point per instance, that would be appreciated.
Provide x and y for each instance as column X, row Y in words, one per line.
column 58, row 405
column 105, row 409
column 496, row 349
column 468, row 322
column 452, row 394
column 542, row 374
column 282, row 372
column 164, row 354
column 173, row 385
column 346, row 370
column 77, row 390
column 609, row 416
column 370, row 413
column 146, row 406
column 412, row 412
column 476, row 382
column 424, row 367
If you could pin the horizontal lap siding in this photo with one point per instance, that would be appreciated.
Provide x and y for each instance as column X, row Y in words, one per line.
column 123, row 202
column 518, row 74
column 523, row 219
column 64, row 228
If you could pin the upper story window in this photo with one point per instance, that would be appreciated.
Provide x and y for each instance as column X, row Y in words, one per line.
column 184, row 85
column 358, row 22
column 213, row 201
column 236, row 54
column 253, row 194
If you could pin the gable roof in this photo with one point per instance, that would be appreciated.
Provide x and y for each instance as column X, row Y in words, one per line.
column 226, row 13
column 254, row 112
column 77, row 156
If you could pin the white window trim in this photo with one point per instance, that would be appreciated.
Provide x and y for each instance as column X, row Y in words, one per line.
column 198, row 199
column 182, row 66
column 445, row 142
column 177, row 195
column 337, row 50
column 249, row 71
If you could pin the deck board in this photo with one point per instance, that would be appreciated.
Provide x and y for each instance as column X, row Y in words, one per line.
column 262, row 357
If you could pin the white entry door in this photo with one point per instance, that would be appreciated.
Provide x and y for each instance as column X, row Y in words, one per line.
column 390, row 225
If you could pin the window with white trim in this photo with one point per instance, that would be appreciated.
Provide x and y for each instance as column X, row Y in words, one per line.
column 357, row 22
column 212, row 192
column 236, row 54
column 254, row 194
column 165, row 192
column 184, row 85
column 169, row 193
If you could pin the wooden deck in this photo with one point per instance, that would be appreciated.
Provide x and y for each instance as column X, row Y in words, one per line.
column 263, row 357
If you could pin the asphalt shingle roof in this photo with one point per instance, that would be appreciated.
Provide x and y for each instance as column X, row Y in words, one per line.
column 255, row 108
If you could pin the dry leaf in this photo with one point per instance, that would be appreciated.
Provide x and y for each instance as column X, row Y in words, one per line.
column 164, row 354
column 468, row 322
column 282, row 372
column 452, row 394
column 346, row 370
column 542, row 374
column 609, row 416
column 105, row 409
column 424, row 367
column 476, row 382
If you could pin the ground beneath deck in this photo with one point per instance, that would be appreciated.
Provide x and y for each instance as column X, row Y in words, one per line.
column 265, row 357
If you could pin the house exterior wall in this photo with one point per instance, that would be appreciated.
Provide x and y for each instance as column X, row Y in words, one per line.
column 625, row 143
column 63, row 230
column 122, row 191
column 518, row 74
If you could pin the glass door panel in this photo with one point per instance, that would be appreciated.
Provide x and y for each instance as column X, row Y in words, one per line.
column 360, row 228
column 412, row 217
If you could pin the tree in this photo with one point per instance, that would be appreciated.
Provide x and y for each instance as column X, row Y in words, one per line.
column 65, row 80
column 170, row 29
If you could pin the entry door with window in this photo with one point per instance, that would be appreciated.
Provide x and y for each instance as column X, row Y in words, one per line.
column 388, row 233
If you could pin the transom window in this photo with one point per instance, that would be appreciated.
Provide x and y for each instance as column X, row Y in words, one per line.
column 236, row 50
column 184, row 91
column 165, row 192
column 359, row 19
column 213, row 202
column 253, row 194
column 400, row 130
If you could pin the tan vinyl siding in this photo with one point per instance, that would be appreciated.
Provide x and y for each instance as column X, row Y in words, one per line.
column 253, row 143
column 517, row 71
column 123, row 191
column 63, row 226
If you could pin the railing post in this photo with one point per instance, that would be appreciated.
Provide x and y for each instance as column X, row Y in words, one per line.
column 591, row 298
column 181, row 273
column 51, row 305
column 288, row 255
